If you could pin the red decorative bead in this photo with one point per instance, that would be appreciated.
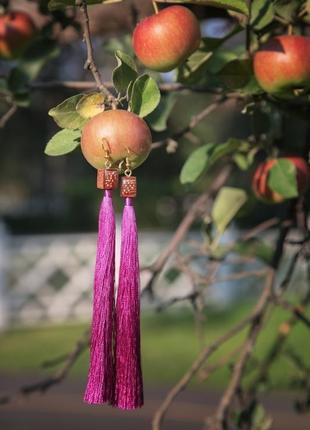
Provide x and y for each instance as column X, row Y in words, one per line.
column 107, row 179
column 128, row 186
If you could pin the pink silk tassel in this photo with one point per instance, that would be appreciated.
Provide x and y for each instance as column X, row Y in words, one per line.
column 129, row 384
column 100, row 384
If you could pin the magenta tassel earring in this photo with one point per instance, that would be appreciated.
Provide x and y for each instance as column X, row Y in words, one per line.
column 128, row 383
column 100, row 384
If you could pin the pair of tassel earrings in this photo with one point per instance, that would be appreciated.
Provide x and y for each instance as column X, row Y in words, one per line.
column 115, row 375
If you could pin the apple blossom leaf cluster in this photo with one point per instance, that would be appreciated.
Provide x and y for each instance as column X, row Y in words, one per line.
column 142, row 92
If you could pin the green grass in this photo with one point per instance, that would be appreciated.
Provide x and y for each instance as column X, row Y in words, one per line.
column 169, row 345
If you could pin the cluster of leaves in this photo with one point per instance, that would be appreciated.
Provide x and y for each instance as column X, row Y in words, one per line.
column 138, row 93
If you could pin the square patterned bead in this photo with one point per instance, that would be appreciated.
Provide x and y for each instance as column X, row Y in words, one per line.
column 107, row 179
column 129, row 186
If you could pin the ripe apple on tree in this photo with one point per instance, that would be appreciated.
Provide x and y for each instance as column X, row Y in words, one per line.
column 16, row 31
column 260, row 179
column 119, row 132
column 283, row 64
column 163, row 41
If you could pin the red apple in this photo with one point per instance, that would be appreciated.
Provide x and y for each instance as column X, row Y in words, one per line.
column 163, row 41
column 260, row 179
column 121, row 133
column 283, row 63
column 16, row 31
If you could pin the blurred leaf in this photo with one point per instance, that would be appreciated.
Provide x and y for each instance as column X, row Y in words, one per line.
column 90, row 105
column 120, row 43
column 261, row 421
column 172, row 275
column 125, row 72
column 244, row 161
column 255, row 248
column 195, row 164
column 196, row 66
column 37, row 55
column 63, row 142
column 145, row 96
column 282, row 178
column 18, row 81
column 65, row 114
column 227, row 148
column 236, row 74
column 262, row 14
column 157, row 120
column 205, row 156
column 226, row 205
column 286, row 9
column 60, row 4
column 237, row 5
column 193, row 64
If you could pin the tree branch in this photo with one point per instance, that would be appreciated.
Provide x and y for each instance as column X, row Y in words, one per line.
column 46, row 383
column 90, row 61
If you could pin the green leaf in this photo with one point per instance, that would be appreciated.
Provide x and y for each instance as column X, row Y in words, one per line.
column 60, row 4
column 145, row 96
column 262, row 14
column 282, row 178
column 65, row 114
column 63, row 142
column 125, row 72
column 195, row 164
column 236, row 74
column 157, row 120
column 227, row 148
column 196, row 66
column 236, row 5
column 205, row 156
column 261, row 420
column 226, row 205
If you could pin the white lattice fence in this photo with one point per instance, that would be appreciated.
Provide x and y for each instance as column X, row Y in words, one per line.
column 49, row 278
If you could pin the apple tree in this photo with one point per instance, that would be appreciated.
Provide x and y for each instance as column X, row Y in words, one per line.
column 260, row 66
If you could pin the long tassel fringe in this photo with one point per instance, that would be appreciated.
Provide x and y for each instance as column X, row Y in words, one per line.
column 129, row 385
column 100, row 384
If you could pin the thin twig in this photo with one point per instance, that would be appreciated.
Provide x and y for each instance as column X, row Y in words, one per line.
column 90, row 61
column 7, row 116
column 194, row 121
column 46, row 383
column 239, row 367
column 200, row 360
column 195, row 211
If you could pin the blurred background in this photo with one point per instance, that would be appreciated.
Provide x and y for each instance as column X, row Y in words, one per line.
column 48, row 221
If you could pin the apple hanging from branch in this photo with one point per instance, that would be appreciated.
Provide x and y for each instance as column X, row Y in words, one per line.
column 118, row 132
column 283, row 64
column 164, row 41
column 16, row 32
column 260, row 179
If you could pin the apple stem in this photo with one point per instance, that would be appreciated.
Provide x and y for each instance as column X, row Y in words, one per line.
column 290, row 29
column 155, row 7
